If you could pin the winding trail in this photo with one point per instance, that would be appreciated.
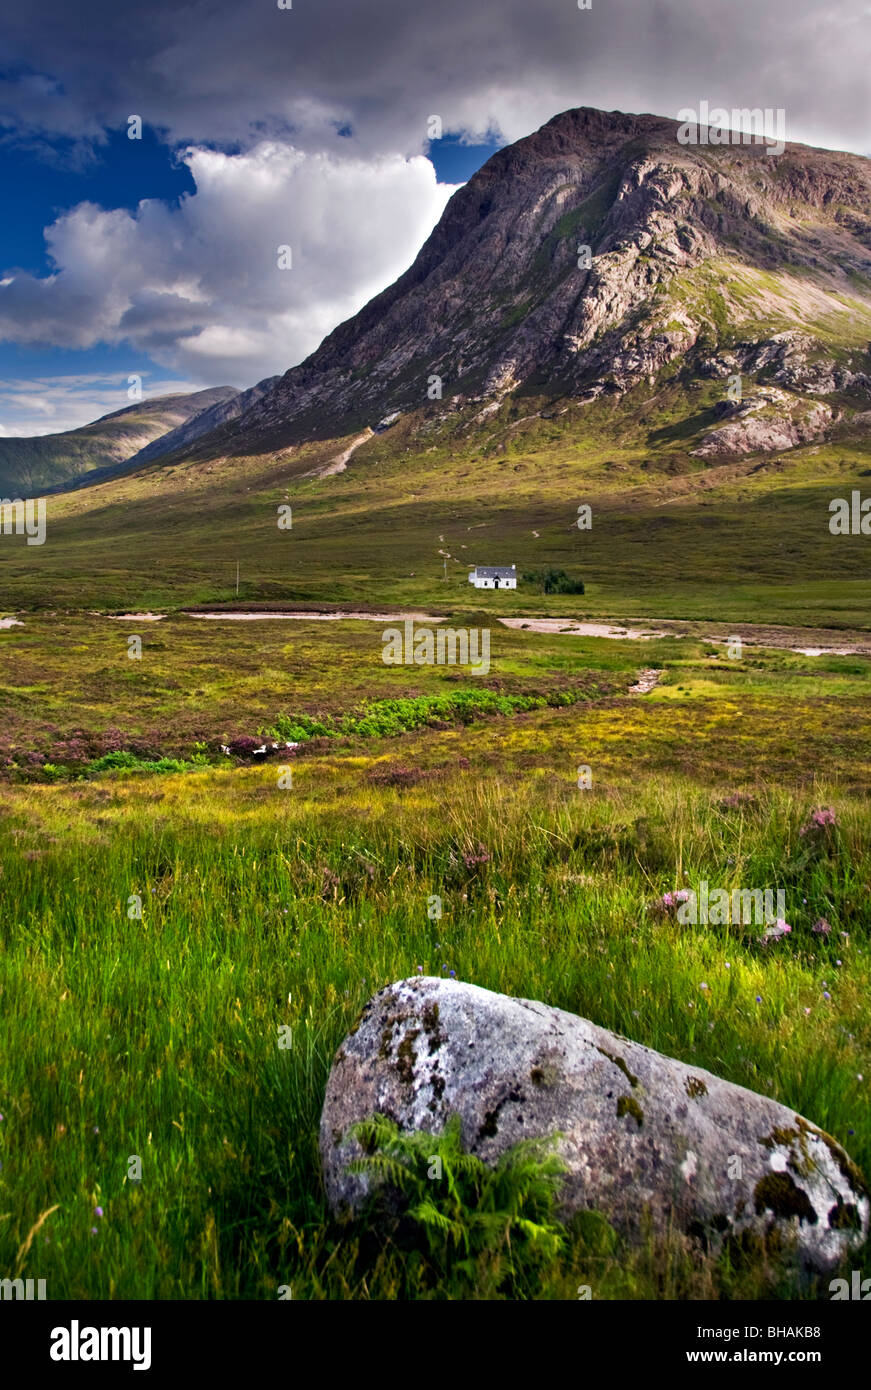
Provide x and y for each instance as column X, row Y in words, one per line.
column 647, row 679
column 340, row 462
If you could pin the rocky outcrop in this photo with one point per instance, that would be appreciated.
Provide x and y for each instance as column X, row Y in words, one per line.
column 789, row 421
column 640, row 1133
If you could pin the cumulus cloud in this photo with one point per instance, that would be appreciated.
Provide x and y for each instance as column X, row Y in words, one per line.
column 198, row 287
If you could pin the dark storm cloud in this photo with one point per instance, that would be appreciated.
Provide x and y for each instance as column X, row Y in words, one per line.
column 223, row 71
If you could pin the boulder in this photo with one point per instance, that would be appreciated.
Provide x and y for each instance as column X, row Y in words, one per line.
column 643, row 1136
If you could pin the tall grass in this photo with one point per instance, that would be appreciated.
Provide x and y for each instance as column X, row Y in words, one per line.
column 158, row 1037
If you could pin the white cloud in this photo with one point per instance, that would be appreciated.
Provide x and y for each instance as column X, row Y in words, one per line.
column 198, row 287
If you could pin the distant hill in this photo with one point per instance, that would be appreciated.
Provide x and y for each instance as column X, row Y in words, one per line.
column 212, row 418
column 31, row 465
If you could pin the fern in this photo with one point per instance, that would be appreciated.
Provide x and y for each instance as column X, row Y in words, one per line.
column 471, row 1220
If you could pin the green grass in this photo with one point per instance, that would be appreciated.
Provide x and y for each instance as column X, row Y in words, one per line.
column 265, row 907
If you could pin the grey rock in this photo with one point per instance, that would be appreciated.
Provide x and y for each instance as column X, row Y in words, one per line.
column 640, row 1132
column 798, row 421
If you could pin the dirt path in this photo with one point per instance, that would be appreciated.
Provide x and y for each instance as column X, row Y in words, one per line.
column 647, row 679
column 340, row 462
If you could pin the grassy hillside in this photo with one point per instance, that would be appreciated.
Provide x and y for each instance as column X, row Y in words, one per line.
column 267, row 905
column 672, row 535
column 30, row 465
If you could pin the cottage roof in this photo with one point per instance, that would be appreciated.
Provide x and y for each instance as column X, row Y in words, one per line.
column 496, row 571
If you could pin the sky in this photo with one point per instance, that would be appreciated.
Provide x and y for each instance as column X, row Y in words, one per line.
column 308, row 127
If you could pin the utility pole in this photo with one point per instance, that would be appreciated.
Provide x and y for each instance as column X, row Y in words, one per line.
column 237, row 578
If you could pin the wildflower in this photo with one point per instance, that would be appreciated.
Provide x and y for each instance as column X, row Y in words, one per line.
column 703, row 985
column 420, row 969
column 823, row 818
column 98, row 1211
column 93, row 1230
column 473, row 860
column 670, row 900
column 759, row 999
column 821, row 927
column 807, row 1011
column 779, row 929
column 728, row 965
column 826, row 994
column 453, row 974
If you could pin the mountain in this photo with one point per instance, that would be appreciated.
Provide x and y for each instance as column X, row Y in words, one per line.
column 32, row 465
column 203, row 423
column 714, row 260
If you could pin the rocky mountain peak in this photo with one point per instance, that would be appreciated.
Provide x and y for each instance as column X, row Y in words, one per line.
column 584, row 259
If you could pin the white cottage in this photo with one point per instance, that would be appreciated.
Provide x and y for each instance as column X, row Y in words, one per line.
column 494, row 577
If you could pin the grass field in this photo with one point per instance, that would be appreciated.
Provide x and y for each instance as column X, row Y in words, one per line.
column 266, row 905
